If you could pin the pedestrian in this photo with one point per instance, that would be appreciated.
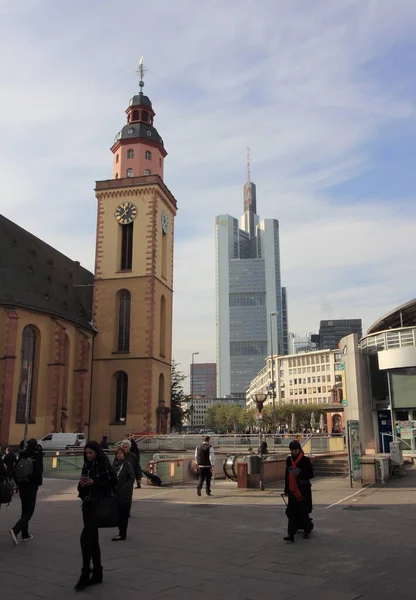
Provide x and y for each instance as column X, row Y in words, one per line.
column 28, row 475
column 135, row 450
column 298, row 488
column 205, row 460
column 104, row 442
column 97, row 482
column 124, row 472
column 132, row 459
column 250, row 450
column 263, row 449
column 10, row 460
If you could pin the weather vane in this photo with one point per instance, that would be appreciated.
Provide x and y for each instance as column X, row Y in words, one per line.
column 141, row 71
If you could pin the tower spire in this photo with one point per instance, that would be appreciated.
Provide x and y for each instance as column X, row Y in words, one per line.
column 248, row 166
column 141, row 71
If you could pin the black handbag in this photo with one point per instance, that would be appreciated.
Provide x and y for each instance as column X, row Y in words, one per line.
column 102, row 512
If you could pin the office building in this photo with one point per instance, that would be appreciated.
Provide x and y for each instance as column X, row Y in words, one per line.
column 203, row 380
column 199, row 407
column 248, row 290
column 331, row 332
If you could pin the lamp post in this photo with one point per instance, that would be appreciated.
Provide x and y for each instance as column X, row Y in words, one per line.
column 273, row 384
column 192, row 389
column 259, row 399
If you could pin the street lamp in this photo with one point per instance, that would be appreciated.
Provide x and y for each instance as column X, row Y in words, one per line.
column 273, row 384
column 192, row 390
column 259, row 399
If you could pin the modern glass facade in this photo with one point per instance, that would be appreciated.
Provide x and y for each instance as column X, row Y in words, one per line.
column 203, row 380
column 332, row 332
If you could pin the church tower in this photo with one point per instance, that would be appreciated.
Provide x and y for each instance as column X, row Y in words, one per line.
column 133, row 285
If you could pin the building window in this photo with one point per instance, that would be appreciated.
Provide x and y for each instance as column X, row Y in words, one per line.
column 116, row 175
column 135, row 115
column 129, row 173
column 145, row 115
column 124, row 304
column 147, row 172
column 130, row 130
column 122, row 383
column 148, row 155
column 117, row 158
column 130, row 154
column 160, row 162
column 28, row 374
column 126, row 247
column 149, row 133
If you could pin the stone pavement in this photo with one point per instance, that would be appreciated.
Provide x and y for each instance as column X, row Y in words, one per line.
column 225, row 547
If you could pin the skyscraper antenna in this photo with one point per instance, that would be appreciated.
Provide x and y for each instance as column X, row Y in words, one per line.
column 248, row 166
column 141, row 71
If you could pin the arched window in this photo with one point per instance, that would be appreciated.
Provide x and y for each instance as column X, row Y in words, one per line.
column 147, row 171
column 124, row 304
column 126, row 259
column 148, row 155
column 160, row 162
column 116, row 175
column 129, row 173
column 117, row 158
column 145, row 115
column 162, row 336
column 135, row 115
column 161, row 387
column 130, row 153
column 26, row 395
column 122, row 383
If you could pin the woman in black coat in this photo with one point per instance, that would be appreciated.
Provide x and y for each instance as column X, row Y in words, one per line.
column 124, row 472
column 298, row 488
column 10, row 461
column 97, row 481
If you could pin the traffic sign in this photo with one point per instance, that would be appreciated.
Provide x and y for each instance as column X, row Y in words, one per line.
column 344, row 402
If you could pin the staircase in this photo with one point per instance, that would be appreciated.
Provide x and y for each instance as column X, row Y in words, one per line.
column 331, row 466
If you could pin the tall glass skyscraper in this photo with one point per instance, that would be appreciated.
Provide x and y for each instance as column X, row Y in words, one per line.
column 248, row 289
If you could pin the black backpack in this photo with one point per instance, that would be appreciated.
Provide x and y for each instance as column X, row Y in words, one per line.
column 6, row 492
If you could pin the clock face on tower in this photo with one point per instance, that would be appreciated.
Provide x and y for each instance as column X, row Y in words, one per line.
column 125, row 213
column 165, row 222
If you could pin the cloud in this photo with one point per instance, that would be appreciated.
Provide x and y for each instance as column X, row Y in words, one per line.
column 306, row 85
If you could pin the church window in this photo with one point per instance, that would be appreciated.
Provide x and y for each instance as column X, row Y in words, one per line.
column 124, row 304
column 145, row 115
column 135, row 115
column 130, row 153
column 148, row 155
column 130, row 130
column 160, row 162
column 129, row 173
column 116, row 175
column 122, row 382
column 147, row 172
column 126, row 247
column 28, row 376
column 162, row 336
column 117, row 158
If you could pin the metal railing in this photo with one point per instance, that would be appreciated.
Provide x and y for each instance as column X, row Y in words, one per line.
column 389, row 339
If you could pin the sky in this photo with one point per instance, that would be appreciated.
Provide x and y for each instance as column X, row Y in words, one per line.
column 322, row 92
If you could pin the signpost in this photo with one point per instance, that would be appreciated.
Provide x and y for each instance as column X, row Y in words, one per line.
column 354, row 451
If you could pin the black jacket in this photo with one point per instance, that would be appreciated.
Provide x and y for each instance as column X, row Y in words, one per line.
column 104, row 480
column 306, row 474
column 10, row 461
column 134, row 461
column 125, row 481
column 37, row 475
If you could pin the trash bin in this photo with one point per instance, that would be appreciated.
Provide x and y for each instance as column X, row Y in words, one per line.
column 253, row 464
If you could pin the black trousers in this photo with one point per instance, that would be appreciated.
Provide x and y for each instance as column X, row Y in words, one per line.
column 27, row 493
column 298, row 516
column 123, row 519
column 205, row 474
column 90, row 545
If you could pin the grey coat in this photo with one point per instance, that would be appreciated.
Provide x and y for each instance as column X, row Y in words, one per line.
column 125, row 482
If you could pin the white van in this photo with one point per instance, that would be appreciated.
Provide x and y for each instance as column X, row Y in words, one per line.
column 61, row 441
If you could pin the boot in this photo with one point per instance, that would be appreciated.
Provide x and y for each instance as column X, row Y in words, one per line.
column 97, row 575
column 83, row 581
column 289, row 538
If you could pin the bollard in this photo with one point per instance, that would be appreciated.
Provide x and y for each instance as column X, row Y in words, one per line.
column 55, row 461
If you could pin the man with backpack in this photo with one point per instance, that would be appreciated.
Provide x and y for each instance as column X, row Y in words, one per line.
column 205, row 459
column 28, row 477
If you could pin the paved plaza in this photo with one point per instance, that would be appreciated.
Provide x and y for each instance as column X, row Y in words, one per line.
column 228, row 546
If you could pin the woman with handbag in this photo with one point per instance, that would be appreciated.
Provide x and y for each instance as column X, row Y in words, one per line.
column 96, row 486
column 124, row 472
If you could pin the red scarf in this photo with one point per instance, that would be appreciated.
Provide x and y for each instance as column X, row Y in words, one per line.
column 293, row 480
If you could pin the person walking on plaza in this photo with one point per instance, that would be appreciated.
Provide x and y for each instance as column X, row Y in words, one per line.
column 104, row 442
column 135, row 450
column 298, row 488
column 28, row 474
column 97, row 482
column 124, row 472
column 205, row 459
